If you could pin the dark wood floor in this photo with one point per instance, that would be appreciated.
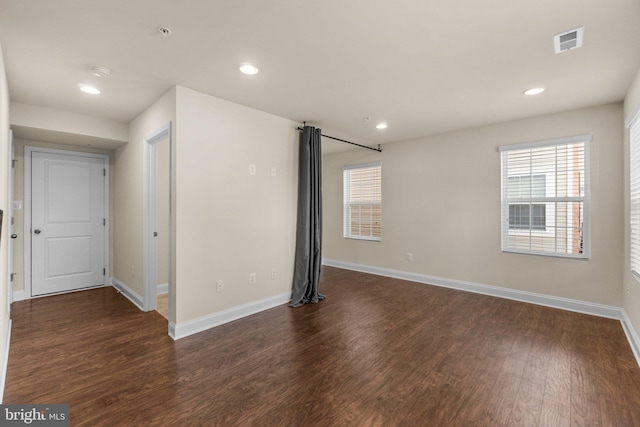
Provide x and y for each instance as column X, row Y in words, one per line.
column 376, row 352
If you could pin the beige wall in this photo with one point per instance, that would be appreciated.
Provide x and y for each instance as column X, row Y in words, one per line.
column 4, row 205
column 72, row 126
column 18, row 194
column 441, row 202
column 229, row 223
column 631, row 299
column 129, row 189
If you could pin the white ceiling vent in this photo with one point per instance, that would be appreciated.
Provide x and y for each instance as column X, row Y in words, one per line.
column 568, row 40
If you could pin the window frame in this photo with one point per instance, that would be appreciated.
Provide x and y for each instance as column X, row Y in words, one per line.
column 347, row 232
column 582, row 197
column 514, row 227
column 633, row 124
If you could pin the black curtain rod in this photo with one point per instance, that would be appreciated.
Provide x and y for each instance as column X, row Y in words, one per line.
column 379, row 150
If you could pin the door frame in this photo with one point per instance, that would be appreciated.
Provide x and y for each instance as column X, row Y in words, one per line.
column 150, row 209
column 28, row 150
column 10, row 218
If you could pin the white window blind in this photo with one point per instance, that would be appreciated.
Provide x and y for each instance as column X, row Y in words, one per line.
column 633, row 123
column 363, row 201
column 545, row 197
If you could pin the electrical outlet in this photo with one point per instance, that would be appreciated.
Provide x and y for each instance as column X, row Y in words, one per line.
column 219, row 285
column 409, row 256
column 252, row 169
column 133, row 270
column 273, row 274
column 274, row 171
column 252, row 278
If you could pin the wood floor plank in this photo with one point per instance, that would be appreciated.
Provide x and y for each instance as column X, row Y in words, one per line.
column 554, row 413
column 376, row 352
column 528, row 404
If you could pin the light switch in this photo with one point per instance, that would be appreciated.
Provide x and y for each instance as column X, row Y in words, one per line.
column 17, row 205
column 252, row 169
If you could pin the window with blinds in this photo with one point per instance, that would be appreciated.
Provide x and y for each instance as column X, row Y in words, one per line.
column 633, row 123
column 545, row 197
column 363, row 201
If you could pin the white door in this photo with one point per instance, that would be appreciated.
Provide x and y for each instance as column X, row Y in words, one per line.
column 67, row 222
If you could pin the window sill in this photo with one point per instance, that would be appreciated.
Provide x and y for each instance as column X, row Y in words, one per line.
column 367, row 239
column 579, row 257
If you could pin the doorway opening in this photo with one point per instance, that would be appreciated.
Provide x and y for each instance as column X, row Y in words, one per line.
column 157, row 233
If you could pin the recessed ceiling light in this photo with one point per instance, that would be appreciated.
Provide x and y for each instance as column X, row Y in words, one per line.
column 381, row 126
column 534, row 91
column 89, row 89
column 249, row 69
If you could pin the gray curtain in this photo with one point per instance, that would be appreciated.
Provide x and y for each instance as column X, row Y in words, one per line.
column 308, row 256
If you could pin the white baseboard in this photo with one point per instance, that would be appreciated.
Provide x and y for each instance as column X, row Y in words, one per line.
column 568, row 304
column 600, row 310
column 130, row 294
column 163, row 289
column 4, row 361
column 200, row 324
column 18, row 296
column 632, row 336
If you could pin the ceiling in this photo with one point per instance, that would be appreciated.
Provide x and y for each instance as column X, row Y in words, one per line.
column 423, row 67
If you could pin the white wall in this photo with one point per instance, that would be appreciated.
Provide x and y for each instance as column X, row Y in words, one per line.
column 228, row 223
column 631, row 302
column 5, row 160
column 441, row 202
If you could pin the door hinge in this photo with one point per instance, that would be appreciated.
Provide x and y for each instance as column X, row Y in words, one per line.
column 104, row 271
column 104, row 221
column 13, row 163
column 104, row 172
column 11, row 276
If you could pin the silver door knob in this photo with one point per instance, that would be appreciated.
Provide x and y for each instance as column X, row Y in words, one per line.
column 37, row 231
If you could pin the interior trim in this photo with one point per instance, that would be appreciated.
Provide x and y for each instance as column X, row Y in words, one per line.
column 129, row 293
column 181, row 330
column 631, row 334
